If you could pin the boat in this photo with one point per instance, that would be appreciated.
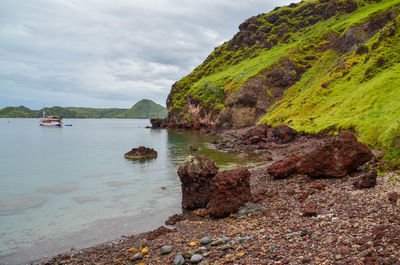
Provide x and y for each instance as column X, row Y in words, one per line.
column 50, row 120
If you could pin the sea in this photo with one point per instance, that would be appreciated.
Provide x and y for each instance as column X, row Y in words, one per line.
column 71, row 187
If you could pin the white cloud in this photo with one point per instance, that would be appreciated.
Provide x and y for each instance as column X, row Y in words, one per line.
column 102, row 53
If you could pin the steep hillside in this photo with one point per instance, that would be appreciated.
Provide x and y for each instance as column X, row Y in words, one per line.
column 317, row 65
column 144, row 109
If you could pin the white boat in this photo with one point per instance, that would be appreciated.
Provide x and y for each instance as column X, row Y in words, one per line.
column 51, row 120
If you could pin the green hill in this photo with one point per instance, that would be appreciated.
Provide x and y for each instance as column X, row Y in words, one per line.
column 316, row 66
column 144, row 109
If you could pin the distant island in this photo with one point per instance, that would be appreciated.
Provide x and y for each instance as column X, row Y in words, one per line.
column 144, row 109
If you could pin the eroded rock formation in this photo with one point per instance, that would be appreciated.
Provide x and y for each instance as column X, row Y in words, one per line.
column 141, row 153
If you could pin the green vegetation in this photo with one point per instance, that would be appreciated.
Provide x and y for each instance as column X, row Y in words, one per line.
column 338, row 89
column 144, row 109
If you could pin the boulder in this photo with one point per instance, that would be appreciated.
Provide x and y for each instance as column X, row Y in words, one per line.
column 196, row 175
column 283, row 134
column 140, row 153
column 336, row 156
column 365, row 181
column 230, row 190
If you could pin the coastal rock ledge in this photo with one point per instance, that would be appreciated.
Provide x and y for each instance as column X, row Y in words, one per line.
column 337, row 156
column 140, row 153
column 219, row 194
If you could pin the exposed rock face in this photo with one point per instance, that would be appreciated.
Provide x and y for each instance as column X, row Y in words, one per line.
column 159, row 123
column 196, row 175
column 365, row 181
column 141, row 153
column 337, row 156
column 257, row 95
column 360, row 34
column 230, row 190
column 211, row 193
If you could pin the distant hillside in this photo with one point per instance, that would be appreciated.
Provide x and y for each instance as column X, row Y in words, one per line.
column 144, row 109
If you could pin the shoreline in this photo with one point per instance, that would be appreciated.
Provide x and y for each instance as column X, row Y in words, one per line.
column 350, row 226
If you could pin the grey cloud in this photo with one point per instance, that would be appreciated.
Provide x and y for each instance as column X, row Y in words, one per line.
column 102, row 53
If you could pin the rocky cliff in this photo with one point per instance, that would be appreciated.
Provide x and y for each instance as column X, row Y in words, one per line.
column 316, row 65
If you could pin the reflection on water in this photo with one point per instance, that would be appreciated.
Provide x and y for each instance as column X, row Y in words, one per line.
column 76, row 179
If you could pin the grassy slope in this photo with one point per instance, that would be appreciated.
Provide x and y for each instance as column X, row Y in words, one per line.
column 367, row 102
column 361, row 95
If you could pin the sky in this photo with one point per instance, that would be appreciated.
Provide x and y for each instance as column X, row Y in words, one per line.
column 109, row 53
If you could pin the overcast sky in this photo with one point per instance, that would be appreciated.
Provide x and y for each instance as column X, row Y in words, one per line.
column 109, row 53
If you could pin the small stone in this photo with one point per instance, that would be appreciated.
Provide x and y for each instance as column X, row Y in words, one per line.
column 205, row 240
column 145, row 251
column 244, row 239
column 196, row 258
column 179, row 259
column 137, row 256
column 188, row 254
column 393, row 197
column 240, row 254
column 303, row 233
column 338, row 256
column 166, row 250
column 310, row 210
column 133, row 250
column 346, row 250
column 220, row 241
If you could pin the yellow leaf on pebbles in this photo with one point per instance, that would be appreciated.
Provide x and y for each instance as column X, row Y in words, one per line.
column 192, row 244
column 133, row 250
column 240, row 254
column 145, row 251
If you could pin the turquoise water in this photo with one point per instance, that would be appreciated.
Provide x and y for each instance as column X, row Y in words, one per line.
column 71, row 187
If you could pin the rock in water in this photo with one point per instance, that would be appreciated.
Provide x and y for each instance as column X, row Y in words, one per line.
column 140, row 153
column 230, row 190
column 158, row 123
column 195, row 175
column 337, row 156
column 365, row 181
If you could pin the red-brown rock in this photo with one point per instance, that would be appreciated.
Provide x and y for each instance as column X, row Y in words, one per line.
column 195, row 175
column 365, row 181
column 337, row 156
column 230, row 190
column 393, row 197
column 141, row 153
column 284, row 168
column 162, row 230
column 310, row 210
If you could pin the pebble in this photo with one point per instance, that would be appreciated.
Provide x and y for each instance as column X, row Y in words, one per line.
column 179, row 259
column 338, row 256
column 166, row 250
column 303, row 233
column 220, row 241
column 196, row 258
column 205, row 240
column 137, row 256
column 244, row 239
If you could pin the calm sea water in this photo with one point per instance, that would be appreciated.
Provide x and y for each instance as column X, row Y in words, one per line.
column 71, row 187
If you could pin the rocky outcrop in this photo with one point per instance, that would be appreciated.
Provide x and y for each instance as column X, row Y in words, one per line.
column 257, row 95
column 141, row 153
column 230, row 190
column 337, row 156
column 158, row 123
column 196, row 175
column 213, row 193
column 361, row 34
column 263, row 134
